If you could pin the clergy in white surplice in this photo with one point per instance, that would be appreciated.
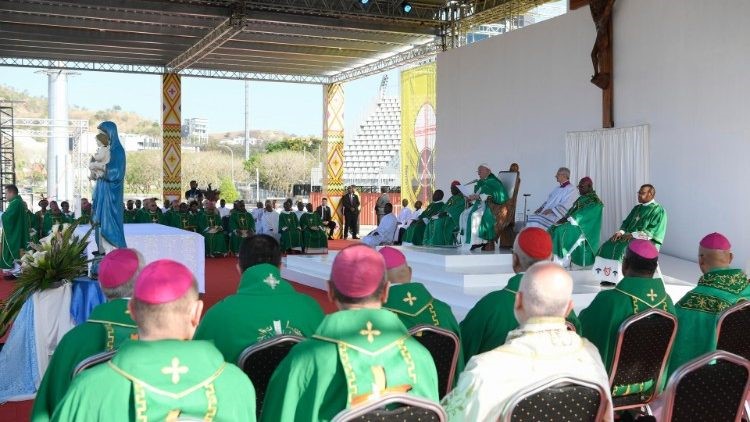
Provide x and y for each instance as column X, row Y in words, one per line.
column 557, row 204
column 269, row 221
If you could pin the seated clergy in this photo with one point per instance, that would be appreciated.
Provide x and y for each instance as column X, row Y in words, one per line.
column 385, row 233
column 477, row 223
column 720, row 287
column 290, row 233
column 268, row 223
column 576, row 235
column 150, row 213
column 647, row 221
column 488, row 323
column 162, row 376
column 442, row 231
column 557, row 204
column 416, row 231
column 277, row 309
column 53, row 217
column 314, row 238
column 241, row 226
column 108, row 326
column 209, row 225
column 358, row 353
column 411, row 301
column 130, row 212
column 639, row 291
column 539, row 349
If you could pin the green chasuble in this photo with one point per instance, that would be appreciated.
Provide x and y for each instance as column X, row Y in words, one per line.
column 495, row 191
column 108, row 326
column 414, row 305
column 416, row 232
column 610, row 308
column 351, row 353
column 15, row 235
column 442, row 231
column 650, row 219
column 145, row 216
column 51, row 219
column 579, row 236
column 169, row 218
column 185, row 221
column 488, row 323
column 241, row 225
column 264, row 306
column 85, row 218
column 313, row 233
column 699, row 310
column 158, row 381
column 209, row 225
column 291, row 235
column 129, row 216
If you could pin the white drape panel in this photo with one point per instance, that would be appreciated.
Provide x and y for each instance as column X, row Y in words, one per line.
column 618, row 161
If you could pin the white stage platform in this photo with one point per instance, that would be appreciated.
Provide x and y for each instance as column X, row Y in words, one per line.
column 460, row 278
column 156, row 241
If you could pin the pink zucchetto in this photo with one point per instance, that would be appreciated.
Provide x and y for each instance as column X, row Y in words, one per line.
column 163, row 281
column 393, row 257
column 117, row 267
column 716, row 241
column 357, row 271
column 643, row 248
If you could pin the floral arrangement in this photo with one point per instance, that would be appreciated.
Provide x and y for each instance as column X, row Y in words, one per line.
column 55, row 260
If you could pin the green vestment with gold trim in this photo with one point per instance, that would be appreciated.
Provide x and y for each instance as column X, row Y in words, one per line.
column 416, row 232
column 209, row 225
column 108, row 326
column 601, row 320
column 157, row 381
column 699, row 310
column 352, row 353
column 651, row 219
column 241, row 225
column 496, row 193
column 15, row 235
column 488, row 323
column 442, row 230
column 145, row 216
column 414, row 305
column 129, row 216
column 264, row 306
column 291, row 234
column 578, row 237
column 313, row 233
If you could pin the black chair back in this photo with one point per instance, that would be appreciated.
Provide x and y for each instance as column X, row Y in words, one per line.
column 260, row 360
column 394, row 407
column 559, row 399
column 92, row 361
column 644, row 343
column 712, row 387
column 444, row 347
column 732, row 330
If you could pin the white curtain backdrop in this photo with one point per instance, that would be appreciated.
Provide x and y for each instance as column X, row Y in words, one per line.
column 617, row 160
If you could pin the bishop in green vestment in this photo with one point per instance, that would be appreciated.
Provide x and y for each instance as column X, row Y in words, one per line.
column 54, row 217
column 130, row 213
column 637, row 292
column 576, row 235
column 442, row 230
column 360, row 352
column 413, row 304
column 313, row 232
column 488, row 323
column 416, row 231
column 276, row 308
column 209, row 225
column 289, row 230
column 163, row 375
column 184, row 219
column 150, row 213
column 241, row 226
column 647, row 220
column 719, row 288
column 108, row 326
column 477, row 223
column 15, row 237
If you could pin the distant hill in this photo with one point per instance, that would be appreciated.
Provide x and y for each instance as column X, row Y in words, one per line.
column 266, row 135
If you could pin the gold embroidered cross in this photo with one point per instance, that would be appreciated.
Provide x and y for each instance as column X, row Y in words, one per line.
column 369, row 332
column 242, row 221
column 175, row 370
column 410, row 299
column 271, row 281
column 651, row 295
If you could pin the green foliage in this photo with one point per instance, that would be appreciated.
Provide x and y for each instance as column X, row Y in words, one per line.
column 228, row 191
column 281, row 169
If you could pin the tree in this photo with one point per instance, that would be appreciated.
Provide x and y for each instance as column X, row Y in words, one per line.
column 228, row 191
column 281, row 169
column 143, row 171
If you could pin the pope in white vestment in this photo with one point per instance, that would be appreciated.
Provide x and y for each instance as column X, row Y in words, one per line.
column 557, row 204
column 385, row 233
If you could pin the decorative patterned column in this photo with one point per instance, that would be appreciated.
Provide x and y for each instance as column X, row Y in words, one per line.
column 171, row 129
column 333, row 141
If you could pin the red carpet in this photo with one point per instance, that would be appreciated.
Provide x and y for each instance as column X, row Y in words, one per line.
column 222, row 278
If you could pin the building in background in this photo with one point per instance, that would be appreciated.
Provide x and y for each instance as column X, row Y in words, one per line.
column 195, row 131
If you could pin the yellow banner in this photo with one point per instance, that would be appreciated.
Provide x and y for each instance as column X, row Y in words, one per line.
column 418, row 101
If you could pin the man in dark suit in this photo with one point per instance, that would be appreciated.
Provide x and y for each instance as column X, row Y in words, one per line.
column 350, row 201
column 324, row 211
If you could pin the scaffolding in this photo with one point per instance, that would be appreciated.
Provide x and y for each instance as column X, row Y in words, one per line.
column 7, row 151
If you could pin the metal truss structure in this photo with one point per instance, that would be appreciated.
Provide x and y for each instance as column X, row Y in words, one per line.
column 7, row 151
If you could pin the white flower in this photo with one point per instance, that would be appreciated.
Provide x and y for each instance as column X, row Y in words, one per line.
column 47, row 240
column 39, row 257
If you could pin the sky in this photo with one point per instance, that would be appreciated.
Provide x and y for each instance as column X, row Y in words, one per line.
column 293, row 108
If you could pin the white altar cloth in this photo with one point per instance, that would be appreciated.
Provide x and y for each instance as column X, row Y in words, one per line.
column 156, row 241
